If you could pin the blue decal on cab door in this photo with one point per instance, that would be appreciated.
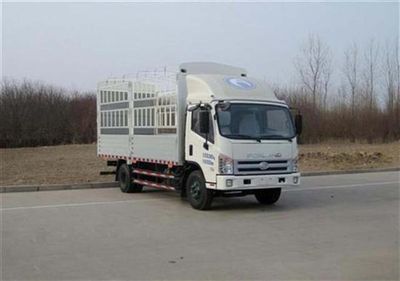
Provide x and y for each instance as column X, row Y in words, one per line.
column 208, row 159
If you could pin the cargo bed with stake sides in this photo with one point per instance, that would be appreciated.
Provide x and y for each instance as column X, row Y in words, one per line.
column 206, row 131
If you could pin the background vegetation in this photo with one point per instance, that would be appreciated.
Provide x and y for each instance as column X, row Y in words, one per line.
column 362, row 103
column 36, row 114
column 356, row 100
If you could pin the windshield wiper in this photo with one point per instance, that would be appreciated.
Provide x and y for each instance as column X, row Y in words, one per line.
column 256, row 138
column 276, row 137
column 261, row 137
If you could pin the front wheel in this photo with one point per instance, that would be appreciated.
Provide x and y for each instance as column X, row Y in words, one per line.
column 268, row 196
column 125, row 180
column 198, row 195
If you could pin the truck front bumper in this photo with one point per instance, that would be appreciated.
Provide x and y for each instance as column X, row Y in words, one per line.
column 249, row 182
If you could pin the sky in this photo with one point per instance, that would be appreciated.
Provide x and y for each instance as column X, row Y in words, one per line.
column 75, row 45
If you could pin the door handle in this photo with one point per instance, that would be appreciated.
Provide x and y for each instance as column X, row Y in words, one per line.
column 190, row 149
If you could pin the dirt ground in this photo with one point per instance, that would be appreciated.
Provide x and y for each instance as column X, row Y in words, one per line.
column 348, row 156
column 51, row 165
column 79, row 164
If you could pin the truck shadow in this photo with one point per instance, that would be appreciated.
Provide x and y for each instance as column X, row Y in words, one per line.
column 289, row 200
column 240, row 204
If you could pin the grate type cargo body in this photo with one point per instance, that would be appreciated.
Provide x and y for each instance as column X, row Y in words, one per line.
column 137, row 121
column 205, row 131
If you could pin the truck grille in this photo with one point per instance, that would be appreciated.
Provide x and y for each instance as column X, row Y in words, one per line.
column 261, row 166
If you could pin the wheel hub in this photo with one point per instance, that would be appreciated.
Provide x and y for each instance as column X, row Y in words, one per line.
column 195, row 190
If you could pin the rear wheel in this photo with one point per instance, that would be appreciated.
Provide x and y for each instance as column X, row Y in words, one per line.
column 268, row 196
column 125, row 180
column 198, row 195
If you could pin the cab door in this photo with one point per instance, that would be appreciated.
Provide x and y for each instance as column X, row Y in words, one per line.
column 197, row 149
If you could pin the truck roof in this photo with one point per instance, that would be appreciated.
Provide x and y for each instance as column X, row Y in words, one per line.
column 209, row 87
column 211, row 68
column 206, row 82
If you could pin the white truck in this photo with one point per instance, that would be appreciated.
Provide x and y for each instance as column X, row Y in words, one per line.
column 206, row 131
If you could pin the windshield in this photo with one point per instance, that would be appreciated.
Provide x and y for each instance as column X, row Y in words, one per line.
column 254, row 121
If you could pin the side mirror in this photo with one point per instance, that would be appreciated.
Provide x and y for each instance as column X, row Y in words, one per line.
column 204, row 121
column 298, row 121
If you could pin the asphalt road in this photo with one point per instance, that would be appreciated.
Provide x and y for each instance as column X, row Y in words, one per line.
column 331, row 227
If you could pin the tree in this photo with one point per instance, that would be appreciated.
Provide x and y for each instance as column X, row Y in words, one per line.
column 391, row 75
column 314, row 68
column 370, row 73
column 326, row 79
column 351, row 73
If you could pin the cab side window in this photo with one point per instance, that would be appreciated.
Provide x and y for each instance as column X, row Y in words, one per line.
column 196, row 125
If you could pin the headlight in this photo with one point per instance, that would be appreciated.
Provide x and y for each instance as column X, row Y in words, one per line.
column 225, row 164
column 295, row 167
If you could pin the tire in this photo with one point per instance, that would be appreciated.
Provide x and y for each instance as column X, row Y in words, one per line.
column 125, row 180
column 268, row 196
column 198, row 195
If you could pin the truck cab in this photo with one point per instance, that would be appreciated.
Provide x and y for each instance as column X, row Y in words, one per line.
column 243, row 139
